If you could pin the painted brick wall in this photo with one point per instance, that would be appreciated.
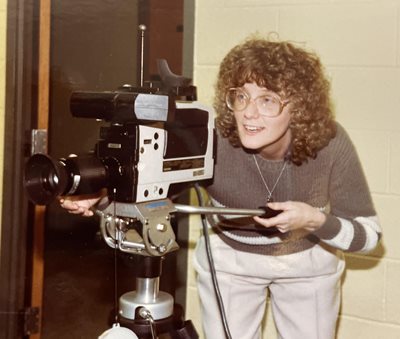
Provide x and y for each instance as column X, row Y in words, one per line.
column 359, row 43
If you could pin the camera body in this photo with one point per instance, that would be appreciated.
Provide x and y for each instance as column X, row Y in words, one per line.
column 143, row 160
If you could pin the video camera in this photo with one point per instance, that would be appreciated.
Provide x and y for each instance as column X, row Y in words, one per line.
column 157, row 136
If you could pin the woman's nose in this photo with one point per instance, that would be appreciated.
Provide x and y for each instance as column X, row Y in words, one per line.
column 251, row 111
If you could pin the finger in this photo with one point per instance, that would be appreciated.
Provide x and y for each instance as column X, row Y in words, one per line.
column 88, row 213
column 266, row 222
column 283, row 228
column 77, row 210
column 69, row 205
column 278, row 205
column 73, row 207
column 280, row 218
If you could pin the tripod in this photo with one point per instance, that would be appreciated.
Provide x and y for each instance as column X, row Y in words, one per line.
column 144, row 231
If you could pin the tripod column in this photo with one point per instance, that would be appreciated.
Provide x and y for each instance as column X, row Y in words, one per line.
column 147, row 293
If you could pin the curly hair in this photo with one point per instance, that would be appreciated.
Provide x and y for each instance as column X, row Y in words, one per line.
column 291, row 72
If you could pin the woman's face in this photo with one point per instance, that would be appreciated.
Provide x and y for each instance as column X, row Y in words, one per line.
column 270, row 136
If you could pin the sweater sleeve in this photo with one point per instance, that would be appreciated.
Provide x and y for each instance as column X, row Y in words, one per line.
column 351, row 224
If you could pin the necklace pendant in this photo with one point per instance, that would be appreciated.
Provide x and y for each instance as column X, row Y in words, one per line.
column 270, row 191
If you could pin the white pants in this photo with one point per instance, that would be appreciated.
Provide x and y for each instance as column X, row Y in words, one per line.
column 304, row 291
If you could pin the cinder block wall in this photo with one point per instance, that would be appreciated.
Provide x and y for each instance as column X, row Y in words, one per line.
column 359, row 43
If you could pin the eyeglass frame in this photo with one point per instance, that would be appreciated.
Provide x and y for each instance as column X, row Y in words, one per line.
column 282, row 103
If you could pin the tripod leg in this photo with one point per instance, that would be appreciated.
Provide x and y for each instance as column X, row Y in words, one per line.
column 187, row 332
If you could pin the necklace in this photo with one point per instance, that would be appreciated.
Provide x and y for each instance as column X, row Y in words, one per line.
column 270, row 191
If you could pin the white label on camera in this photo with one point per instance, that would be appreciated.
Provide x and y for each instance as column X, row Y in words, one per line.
column 112, row 145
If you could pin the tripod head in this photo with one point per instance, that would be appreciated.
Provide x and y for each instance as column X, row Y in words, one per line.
column 140, row 228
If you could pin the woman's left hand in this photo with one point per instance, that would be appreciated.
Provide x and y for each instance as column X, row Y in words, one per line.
column 295, row 215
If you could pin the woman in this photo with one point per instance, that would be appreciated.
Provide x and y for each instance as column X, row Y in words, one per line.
column 279, row 145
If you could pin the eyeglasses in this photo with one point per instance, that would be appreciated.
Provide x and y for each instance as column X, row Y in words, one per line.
column 268, row 105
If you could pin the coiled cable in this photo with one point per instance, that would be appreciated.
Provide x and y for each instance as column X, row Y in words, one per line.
column 211, row 264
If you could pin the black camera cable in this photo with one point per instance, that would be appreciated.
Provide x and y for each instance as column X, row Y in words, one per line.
column 116, row 304
column 211, row 264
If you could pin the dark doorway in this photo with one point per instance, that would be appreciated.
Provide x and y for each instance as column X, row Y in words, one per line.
column 94, row 46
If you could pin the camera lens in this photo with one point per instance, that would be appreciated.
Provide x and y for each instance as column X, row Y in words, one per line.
column 45, row 179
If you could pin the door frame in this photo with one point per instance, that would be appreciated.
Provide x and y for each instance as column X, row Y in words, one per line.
column 20, row 277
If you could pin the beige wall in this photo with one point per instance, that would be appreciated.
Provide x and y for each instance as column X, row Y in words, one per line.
column 359, row 42
column 3, row 25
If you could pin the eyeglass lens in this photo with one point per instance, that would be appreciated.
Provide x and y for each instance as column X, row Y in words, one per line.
column 267, row 105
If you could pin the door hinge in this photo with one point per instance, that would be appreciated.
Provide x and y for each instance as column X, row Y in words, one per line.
column 38, row 141
column 31, row 320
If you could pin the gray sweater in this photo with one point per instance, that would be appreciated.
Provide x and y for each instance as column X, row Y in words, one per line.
column 333, row 182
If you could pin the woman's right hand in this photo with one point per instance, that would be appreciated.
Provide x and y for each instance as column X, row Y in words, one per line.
column 80, row 204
